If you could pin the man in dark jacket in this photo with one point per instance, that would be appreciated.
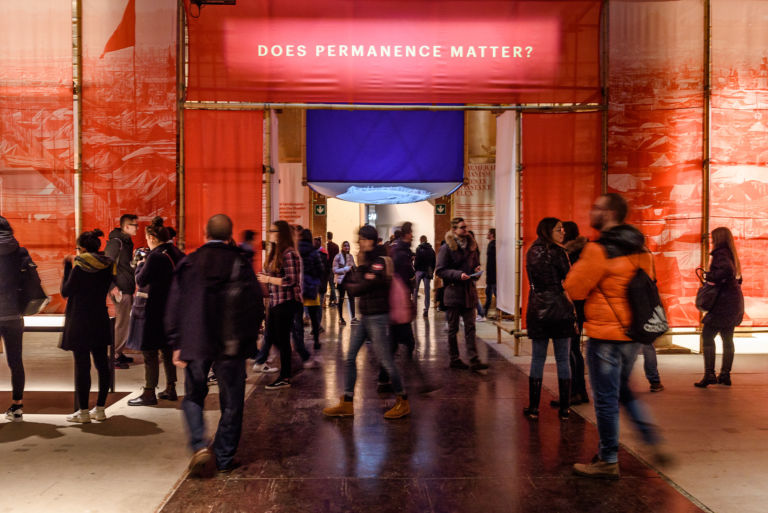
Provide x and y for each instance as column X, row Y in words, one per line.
column 120, row 250
column 490, row 270
column 425, row 269
column 370, row 281
column 457, row 262
column 402, row 258
column 333, row 250
column 212, row 320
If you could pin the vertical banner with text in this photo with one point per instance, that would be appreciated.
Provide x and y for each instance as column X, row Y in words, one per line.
column 293, row 198
column 476, row 203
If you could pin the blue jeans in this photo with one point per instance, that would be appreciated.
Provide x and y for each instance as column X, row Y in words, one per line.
column 610, row 365
column 562, row 348
column 421, row 275
column 231, row 378
column 376, row 329
column 650, row 365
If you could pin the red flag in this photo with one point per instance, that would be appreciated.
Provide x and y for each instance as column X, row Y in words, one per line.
column 124, row 35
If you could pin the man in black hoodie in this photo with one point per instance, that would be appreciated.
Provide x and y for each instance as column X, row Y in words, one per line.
column 425, row 269
column 120, row 249
column 213, row 315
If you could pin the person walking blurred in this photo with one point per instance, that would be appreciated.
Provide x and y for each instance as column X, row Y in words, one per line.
column 724, row 271
column 154, row 274
column 120, row 250
column 333, row 250
column 313, row 279
column 87, row 279
column 490, row 270
column 14, row 260
column 343, row 263
column 424, row 264
column 214, row 312
column 550, row 314
column 370, row 281
column 456, row 262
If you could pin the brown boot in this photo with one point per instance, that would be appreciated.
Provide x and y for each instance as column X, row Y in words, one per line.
column 597, row 469
column 200, row 464
column 343, row 409
column 399, row 410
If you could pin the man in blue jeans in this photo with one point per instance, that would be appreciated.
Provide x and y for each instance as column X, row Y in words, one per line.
column 370, row 281
column 600, row 277
column 207, row 329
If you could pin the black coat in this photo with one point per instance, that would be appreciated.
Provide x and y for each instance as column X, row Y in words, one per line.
column 120, row 249
column 154, row 277
column 402, row 257
column 490, row 264
column 313, row 267
column 728, row 311
column 13, row 259
column 373, row 294
column 452, row 261
column 426, row 258
column 194, row 312
column 86, row 321
column 546, row 265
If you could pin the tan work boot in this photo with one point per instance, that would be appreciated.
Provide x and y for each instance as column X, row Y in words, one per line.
column 200, row 464
column 598, row 469
column 399, row 410
column 343, row 409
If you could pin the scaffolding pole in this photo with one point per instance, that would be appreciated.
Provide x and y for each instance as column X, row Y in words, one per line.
column 519, row 225
column 706, row 143
column 77, row 110
column 267, row 166
column 604, row 63
column 538, row 107
column 181, row 54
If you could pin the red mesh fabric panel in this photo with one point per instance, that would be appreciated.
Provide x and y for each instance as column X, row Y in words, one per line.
column 739, row 179
column 561, row 177
column 227, row 62
column 36, row 186
column 223, row 158
column 129, row 113
column 655, row 137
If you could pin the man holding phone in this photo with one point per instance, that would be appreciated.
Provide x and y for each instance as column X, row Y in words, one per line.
column 458, row 266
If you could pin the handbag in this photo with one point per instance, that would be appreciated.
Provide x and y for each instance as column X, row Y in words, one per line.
column 706, row 296
column 32, row 297
column 552, row 306
column 138, row 321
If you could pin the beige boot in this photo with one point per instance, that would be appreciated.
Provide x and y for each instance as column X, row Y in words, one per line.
column 598, row 469
column 399, row 410
column 343, row 409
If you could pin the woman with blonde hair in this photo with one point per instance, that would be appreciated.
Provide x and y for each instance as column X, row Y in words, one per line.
column 728, row 310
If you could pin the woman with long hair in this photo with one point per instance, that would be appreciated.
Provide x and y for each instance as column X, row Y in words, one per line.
column 87, row 331
column 154, row 274
column 282, row 275
column 550, row 314
column 724, row 271
column 343, row 263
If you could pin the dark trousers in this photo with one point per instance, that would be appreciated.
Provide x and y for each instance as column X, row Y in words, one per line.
column 12, row 333
column 315, row 316
column 708, row 334
column 332, row 286
column 83, row 375
column 340, row 306
column 231, row 379
column 453, row 316
column 280, row 323
column 490, row 291
column 152, row 368
column 398, row 334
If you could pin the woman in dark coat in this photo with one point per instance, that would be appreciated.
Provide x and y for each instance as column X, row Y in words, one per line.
column 87, row 331
column 728, row 311
column 154, row 275
column 547, row 264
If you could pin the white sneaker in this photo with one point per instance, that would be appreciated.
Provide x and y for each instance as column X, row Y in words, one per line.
column 81, row 417
column 14, row 416
column 263, row 367
column 479, row 318
column 98, row 413
column 312, row 363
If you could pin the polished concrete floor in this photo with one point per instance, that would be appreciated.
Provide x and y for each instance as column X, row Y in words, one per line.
column 466, row 447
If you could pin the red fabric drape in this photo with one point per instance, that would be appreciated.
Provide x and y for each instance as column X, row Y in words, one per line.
column 223, row 159
column 125, row 33
column 655, row 137
column 36, row 144
column 561, row 174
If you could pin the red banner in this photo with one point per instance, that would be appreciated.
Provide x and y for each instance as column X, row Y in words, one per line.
column 399, row 51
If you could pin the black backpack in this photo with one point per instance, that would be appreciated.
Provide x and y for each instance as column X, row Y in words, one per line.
column 649, row 320
column 242, row 312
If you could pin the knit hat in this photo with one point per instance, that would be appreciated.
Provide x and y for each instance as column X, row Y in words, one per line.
column 368, row 232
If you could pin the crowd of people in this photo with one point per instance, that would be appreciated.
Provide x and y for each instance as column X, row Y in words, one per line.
column 204, row 313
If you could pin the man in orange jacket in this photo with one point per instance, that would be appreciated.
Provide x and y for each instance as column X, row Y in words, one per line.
column 601, row 276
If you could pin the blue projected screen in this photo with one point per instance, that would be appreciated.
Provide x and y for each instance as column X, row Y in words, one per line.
column 385, row 146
